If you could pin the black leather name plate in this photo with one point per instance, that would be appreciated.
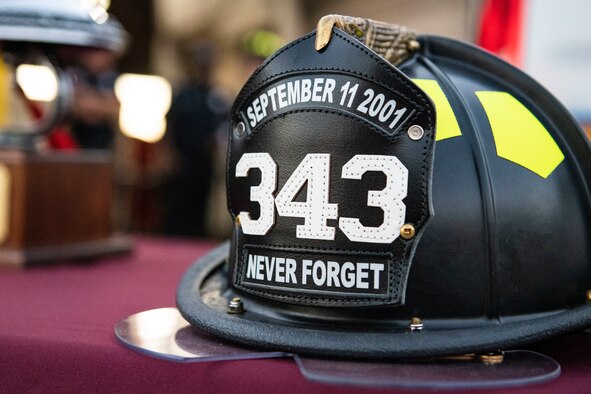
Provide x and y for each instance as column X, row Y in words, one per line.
column 329, row 189
column 375, row 103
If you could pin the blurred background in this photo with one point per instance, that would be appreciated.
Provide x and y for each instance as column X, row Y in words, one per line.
column 170, row 175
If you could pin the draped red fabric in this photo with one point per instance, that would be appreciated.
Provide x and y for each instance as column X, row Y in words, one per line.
column 501, row 29
column 57, row 322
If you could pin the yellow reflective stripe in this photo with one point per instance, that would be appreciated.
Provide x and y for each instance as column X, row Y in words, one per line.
column 519, row 136
column 446, row 125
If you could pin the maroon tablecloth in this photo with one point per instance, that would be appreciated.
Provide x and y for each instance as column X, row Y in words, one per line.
column 56, row 333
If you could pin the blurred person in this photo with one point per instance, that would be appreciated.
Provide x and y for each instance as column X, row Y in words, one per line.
column 196, row 112
column 96, row 109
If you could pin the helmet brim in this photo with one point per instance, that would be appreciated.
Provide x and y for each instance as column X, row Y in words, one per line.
column 203, row 295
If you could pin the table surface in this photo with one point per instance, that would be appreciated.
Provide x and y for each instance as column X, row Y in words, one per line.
column 56, row 333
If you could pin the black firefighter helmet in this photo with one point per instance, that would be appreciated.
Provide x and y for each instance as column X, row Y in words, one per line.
column 419, row 198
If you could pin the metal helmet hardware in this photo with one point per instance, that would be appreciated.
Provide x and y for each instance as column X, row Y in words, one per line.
column 67, row 22
column 31, row 32
column 449, row 190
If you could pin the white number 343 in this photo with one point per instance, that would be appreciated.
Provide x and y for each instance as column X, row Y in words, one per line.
column 316, row 210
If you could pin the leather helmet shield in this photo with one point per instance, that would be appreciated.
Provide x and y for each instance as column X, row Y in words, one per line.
column 323, row 176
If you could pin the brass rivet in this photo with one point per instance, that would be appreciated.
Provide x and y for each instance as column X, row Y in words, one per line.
column 415, row 132
column 407, row 231
column 416, row 324
column 235, row 306
column 240, row 129
column 414, row 45
column 588, row 295
column 492, row 358
column 237, row 221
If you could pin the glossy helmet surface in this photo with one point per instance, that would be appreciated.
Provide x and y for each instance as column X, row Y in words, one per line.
column 505, row 258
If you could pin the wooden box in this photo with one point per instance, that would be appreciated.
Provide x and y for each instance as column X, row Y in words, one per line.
column 56, row 206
